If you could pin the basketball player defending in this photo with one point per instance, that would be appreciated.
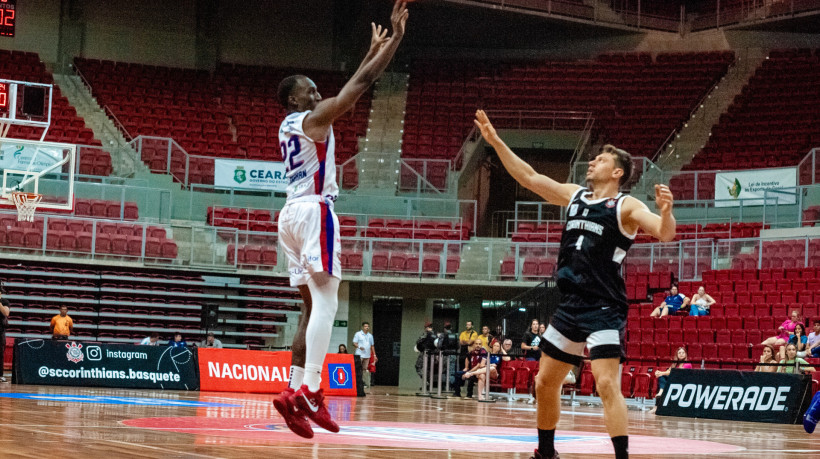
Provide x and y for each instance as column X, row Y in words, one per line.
column 601, row 226
column 308, row 227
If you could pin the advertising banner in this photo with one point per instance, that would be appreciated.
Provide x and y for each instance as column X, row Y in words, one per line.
column 736, row 395
column 28, row 157
column 73, row 363
column 251, row 175
column 732, row 187
column 238, row 370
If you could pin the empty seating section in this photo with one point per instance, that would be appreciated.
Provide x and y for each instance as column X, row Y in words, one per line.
column 751, row 304
column 233, row 113
column 66, row 126
column 626, row 93
column 777, row 254
column 773, row 122
column 126, row 306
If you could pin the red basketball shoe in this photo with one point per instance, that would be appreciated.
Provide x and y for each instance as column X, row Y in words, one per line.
column 294, row 418
column 312, row 404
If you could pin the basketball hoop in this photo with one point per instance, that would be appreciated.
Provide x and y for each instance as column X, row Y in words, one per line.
column 26, row 205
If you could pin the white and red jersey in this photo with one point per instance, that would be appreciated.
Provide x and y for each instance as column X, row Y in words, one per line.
column 310, row 166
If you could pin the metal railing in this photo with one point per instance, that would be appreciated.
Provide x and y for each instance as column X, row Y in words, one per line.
column 751, row 11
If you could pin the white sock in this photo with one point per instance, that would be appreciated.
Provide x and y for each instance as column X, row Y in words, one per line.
column 296, row 375
column 324, row 291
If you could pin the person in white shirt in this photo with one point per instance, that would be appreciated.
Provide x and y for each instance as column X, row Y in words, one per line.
column 211, row 341
column 152, row 340
column 814, row 341
column 363, row 341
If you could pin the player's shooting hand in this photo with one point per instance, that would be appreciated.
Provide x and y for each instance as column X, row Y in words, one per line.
column 379, row 37
column 399, row 18
column 664, row 198
column 484, row 125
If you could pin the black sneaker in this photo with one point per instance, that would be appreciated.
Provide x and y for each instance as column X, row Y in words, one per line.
column 537, row 455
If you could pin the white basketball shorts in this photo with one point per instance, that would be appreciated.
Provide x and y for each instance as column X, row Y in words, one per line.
column 309, row 235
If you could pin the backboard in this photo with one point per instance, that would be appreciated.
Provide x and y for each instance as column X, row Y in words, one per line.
column 45, row 168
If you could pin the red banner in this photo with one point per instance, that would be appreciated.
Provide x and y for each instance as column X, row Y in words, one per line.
column 238, row 370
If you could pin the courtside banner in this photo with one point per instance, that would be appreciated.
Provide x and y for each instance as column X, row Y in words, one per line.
column 736, row 396
column 732, row 187
column 251, row 175
column 238, row 370
column 75, row 363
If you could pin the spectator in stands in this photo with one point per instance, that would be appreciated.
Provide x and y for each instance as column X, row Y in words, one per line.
column 62, row 326
column 793, row 363
column 472, row 366
column 784, row 331
column 5, row 310
column 814, row 340
column 766, row 360
column 800, row 341
column 363, row 340
column 499, row 335
column 701, row 303
column 485, row 337
column 542, row 328
column 177, row 341
column 672, row 303
column 497, row 354
column 211, row 341
column 152, row 340
column 464, row 339
column 507, row 347
column 530, row 340
column 679, row 360
column 342, row 349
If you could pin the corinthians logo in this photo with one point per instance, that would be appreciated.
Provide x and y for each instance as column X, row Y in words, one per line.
column 75, row 353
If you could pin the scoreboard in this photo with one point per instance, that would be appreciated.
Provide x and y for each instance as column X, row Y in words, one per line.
column 8, row 17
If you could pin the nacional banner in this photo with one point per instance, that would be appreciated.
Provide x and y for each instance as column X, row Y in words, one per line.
column 748, row 185
column 736, row 395
column 251, row 175
column 238, row 370
column 73, row 363
column 19, row 156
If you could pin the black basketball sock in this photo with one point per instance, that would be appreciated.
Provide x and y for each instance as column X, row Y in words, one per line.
column 621, row 445
column 546, row 443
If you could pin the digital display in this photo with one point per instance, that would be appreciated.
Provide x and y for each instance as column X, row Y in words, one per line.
column 4, row 96
column 8, row 17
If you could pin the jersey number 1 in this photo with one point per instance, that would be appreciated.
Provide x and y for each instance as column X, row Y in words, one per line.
column 295, row 148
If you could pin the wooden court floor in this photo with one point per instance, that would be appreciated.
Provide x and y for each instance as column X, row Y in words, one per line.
column 74, row 422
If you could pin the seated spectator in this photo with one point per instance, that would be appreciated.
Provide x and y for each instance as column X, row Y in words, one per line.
column 505, row 349
column 784, row 331
column 62, row 326
column 342, row 349
column 678, row 361
column 152, row 340
column 542, row 328
column 211, row 341
column 671, row 304
column 793, row 363
column 800, row 341
column 701, row 303
column 766, row 361
column 177, row 341
column 496, row 355
column 469, row 373
column 814, row 340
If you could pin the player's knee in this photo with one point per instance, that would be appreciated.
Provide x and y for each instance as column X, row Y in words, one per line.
column 607, row 386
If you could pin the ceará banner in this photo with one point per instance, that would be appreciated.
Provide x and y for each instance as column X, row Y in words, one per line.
column 251, row 175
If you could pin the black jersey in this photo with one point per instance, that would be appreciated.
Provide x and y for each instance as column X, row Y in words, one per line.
column 593, row 246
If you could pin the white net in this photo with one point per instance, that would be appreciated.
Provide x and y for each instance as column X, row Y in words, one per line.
column 26, row 205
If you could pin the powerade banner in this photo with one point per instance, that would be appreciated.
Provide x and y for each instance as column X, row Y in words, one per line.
column 736, row 396
column 732, row 187
column 19, row 157
column 252, row 175
column 73, row 363
column 237, row 370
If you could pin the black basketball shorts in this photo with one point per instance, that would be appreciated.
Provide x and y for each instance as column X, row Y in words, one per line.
column 578, row 323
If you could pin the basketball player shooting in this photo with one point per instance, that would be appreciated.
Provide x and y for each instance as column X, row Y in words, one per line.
column 308, row 227
column 601, row 226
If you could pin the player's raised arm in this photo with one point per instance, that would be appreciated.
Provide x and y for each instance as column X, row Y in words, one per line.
column 554, row 192
column 378, row 57
column 637, row 215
